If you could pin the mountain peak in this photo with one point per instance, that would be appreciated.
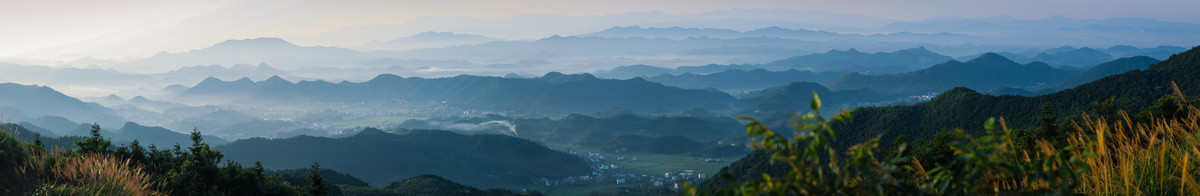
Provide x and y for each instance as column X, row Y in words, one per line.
column 276, row 79
column 261, row 41
column 382, row 78
column 560, row 77
column 264, row 67
column 139, row 99
column 209, row 81
column 244, row 80
column 370, row 132
column 991, row 57
column 114, row 97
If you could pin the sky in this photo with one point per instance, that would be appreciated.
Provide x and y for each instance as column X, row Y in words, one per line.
column 49, row 29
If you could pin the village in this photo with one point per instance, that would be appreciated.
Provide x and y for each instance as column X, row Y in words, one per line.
column 607, row 170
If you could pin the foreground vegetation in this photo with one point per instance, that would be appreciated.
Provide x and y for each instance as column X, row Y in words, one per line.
column 96, row 167
column 1154, row 153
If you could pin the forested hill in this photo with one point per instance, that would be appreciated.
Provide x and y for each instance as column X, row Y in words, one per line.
column 737, row 79
column 553, row 93
column 853, row 60
column 796, row 96
column 967, row 109
column 1106, row 69
column 379, row 158
column 26, row 102
column 987, row 72
column 962, row 108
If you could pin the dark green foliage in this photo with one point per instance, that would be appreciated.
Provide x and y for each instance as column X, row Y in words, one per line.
column 47, row 143
column 753, row 166
column 178, row 171
column 378, row 157
column 95, row 143
column 12, row 151
column 1028, row 118
column 1165, row 107
column 432, row 185
column 316, row 184
column 964, row 108
column 298, row 177
column 961, row 165
column 435, row 185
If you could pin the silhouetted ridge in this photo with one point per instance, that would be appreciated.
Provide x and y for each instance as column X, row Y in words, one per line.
column 991, row 58
column 379, row 158
column 554, row 93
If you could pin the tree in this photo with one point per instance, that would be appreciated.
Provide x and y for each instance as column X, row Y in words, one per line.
column 94, row 144
column 316, row 184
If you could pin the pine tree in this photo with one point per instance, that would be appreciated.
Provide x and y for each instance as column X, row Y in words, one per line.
column 94, row 144
column 316, row 185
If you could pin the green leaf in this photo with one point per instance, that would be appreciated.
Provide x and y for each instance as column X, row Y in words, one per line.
column 990, row 124
column 816, row 102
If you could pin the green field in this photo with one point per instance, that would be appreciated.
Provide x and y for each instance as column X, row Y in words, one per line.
column 656, row 164
column 574, row 190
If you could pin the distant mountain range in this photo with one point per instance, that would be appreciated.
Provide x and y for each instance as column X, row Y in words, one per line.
column 425, row 40
column 850, row 60
column 552, row 93
column 1059, row 30
column 54, row 126
column 741, row 79
column 963, row 108
column 796, row 96
column 1104, row 70
column 1134, row 90
column 194, row 74
column 989, row 71
column 139, row 103
column 854, row 61
column 677, row 32
column 1067, row 56
column 252, row 51
column 27, row 102
column 379, row 158
column 1082, row 58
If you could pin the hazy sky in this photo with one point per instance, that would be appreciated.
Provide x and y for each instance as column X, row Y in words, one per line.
column 48, row 28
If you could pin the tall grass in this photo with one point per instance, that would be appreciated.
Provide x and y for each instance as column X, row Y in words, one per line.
column 97, row 174
column 30, row 171
column 1122, row 156
column 1158, row 157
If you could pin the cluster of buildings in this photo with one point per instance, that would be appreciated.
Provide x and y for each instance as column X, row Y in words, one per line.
column 612, row 173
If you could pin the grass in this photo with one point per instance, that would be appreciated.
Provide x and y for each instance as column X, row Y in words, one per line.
column 1159, row 157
